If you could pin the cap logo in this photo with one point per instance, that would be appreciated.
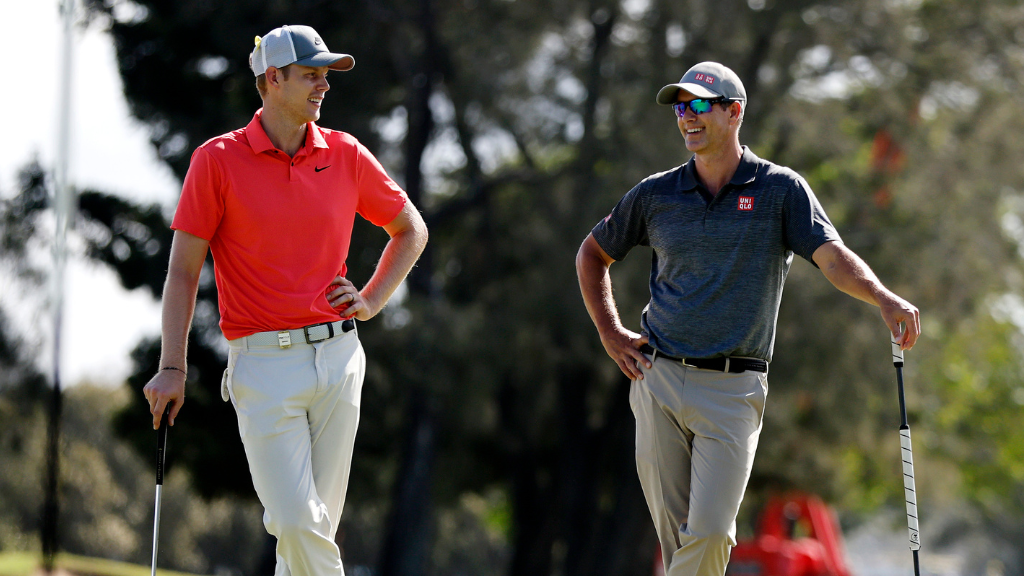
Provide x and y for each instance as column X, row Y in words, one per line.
column 704, row 78
column 317, row 41
column 746, row 203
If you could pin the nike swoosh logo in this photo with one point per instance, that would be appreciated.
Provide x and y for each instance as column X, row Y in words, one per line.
column 318, row 169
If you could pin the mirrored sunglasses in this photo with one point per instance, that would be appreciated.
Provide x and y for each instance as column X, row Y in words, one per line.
column 697, row 105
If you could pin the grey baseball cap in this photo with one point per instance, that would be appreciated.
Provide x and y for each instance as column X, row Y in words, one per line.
column 705, row 80
column 295, row 45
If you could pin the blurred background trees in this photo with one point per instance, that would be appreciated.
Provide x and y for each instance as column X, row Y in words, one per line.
column 496, row 437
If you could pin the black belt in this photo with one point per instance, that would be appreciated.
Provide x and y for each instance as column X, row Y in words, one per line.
column 732, row 365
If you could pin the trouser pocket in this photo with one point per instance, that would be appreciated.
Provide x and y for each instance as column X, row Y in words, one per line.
column 225, row 379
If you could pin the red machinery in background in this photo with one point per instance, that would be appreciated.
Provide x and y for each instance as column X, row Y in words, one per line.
column 797, row 535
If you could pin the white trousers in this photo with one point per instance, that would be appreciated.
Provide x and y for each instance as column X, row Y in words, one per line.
column 696, row 434
column 298, row 410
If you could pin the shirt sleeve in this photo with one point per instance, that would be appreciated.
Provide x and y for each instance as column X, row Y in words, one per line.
column 625, row 227
column 806, row 226
column 201, row 205
column 380, row 197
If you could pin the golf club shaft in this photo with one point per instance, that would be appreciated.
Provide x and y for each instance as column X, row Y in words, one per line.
column 156, row 530
column 161, row 448
column 909, row 488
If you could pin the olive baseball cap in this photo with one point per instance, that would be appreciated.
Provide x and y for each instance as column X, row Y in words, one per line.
column 295, row 45
column 705, row 80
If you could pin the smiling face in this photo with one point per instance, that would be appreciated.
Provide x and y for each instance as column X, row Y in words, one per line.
column 298, row 93
column 712, row 131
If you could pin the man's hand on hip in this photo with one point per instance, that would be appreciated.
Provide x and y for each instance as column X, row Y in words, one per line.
column 166, row 387
column 348, row 301
column 624, row 347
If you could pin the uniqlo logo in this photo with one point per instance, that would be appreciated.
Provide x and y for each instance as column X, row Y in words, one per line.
column 704, row 78
column 746, row 203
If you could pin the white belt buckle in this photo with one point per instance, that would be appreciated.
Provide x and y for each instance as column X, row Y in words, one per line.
column 330, row 332
column 284, row 339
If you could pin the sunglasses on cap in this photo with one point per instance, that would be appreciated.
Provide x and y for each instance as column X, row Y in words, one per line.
column 698, row 105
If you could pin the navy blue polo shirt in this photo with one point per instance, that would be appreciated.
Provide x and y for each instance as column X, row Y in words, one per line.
column 719, row 262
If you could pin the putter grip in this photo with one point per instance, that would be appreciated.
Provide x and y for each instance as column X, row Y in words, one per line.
column 909, row 490
column 161, row 446
column 897, row 352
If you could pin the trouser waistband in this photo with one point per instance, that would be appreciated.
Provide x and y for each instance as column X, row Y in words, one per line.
column 733, row 365
column 306, row 335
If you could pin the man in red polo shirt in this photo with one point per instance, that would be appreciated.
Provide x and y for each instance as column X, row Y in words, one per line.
column 275, row 202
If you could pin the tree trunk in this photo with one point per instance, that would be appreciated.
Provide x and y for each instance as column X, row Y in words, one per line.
column 406, row 548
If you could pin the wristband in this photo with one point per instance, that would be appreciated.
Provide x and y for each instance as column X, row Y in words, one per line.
column 174, row 368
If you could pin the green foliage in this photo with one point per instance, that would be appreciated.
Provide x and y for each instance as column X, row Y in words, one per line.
column 975, row 411
column 26, row 564
column 903, row 116
column 21, row 446
column 106, row 492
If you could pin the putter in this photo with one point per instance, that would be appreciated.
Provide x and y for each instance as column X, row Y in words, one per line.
column 908, row 458
column 161, row 447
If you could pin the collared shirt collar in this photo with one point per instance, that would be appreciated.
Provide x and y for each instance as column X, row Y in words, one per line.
column 315, row 137
column 745, row 172
column 257, row 136
column 260, row 142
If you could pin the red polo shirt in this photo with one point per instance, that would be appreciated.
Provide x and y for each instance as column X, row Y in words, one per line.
column 279, row 227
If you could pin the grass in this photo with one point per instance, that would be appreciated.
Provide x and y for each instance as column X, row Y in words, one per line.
column 27, row 563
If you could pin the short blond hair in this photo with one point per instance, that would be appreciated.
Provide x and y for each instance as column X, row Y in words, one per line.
column 261, row 80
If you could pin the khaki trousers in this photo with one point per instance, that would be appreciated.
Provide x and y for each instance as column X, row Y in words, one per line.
column 298, row 410
column 696, row 433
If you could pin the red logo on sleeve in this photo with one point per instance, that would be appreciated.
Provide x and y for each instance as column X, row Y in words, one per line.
column 746, row 203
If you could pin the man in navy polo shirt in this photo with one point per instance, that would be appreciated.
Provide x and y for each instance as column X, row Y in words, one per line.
column 724, row 228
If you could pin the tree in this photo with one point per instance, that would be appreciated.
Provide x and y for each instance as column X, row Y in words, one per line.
column 104, row 494
column 22, row 386
column 516, row 141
